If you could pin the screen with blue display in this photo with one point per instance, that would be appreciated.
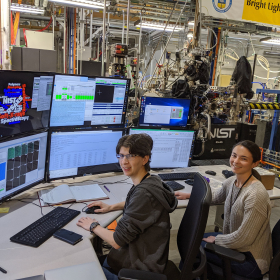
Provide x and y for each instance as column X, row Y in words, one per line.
column 157, row 111
column 25, row 99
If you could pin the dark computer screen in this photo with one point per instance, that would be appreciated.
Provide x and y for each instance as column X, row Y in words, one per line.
column 157, row 111
column 88, row 101
column 171, row 149
column 22, row 163
column 25, row 99
column 77, row 153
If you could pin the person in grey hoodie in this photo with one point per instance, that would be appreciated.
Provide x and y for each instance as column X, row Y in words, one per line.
column 141, row 238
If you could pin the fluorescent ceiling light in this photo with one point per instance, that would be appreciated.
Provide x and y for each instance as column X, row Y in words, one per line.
column 159, row 26
column 269, row 40
column 26, row 9
column 87, row 4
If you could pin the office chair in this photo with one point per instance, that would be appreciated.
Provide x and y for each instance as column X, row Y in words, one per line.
column 189, row 237
column 227, row 255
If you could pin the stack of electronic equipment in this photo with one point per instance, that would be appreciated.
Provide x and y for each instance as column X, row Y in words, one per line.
column 55, row 126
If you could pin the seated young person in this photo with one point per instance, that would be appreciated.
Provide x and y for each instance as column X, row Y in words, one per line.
column 141, row 238
column 246, row 214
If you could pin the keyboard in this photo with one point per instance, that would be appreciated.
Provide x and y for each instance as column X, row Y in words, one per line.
column 41, row 230
column 177, row 176
column 174, row 185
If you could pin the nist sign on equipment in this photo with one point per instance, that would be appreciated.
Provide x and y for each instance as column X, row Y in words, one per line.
column 222, row 132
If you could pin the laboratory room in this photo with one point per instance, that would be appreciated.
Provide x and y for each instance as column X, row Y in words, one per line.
column 139, row 139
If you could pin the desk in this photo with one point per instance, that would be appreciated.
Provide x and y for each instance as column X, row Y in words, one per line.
column 23, row 261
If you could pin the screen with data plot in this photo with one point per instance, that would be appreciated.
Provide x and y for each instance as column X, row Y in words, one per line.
column 22, row 163
column 88, row 101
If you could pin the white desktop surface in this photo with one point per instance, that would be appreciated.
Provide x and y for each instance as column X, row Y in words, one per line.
column 23, row 261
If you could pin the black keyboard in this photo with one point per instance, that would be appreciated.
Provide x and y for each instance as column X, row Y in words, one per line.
column 41, row 230
column 177, row 176
column 174, row 185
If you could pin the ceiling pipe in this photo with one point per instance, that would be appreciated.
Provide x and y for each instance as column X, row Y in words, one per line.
column 127, row 22
column 103, row 40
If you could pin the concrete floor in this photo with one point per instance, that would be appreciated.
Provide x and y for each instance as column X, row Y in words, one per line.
column 177, row 215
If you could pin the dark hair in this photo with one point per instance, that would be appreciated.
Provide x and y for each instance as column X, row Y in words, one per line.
column 139, row 144
column 252, row 147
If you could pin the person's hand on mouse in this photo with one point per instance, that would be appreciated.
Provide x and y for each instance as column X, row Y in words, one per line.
column 182, row 195
column 104, row 208
column 85, row 222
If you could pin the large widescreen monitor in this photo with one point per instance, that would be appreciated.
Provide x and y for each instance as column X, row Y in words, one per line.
column 22, row 163
column 172, row 148
column 168, row 112
column 78, row 153
column 25, row 99
column 88, row 101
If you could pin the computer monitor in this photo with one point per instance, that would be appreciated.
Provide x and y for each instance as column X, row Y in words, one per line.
column 172, row 148
column 25, row 99
column 78, row 153
column 88, row 101
column 168, row 112
column 22, row 164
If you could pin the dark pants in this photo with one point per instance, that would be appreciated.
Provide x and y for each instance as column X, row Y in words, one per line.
column 108, row 271
column 247, row 269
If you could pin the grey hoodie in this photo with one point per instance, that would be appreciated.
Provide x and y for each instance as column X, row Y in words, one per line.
column 144, row 230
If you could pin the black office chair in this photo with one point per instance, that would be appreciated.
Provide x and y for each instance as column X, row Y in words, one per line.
column 216, row 272
column 189, row 238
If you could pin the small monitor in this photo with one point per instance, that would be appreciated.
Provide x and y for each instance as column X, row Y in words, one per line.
column 78, row 153
column 85, row 101
column 169, row 112
column 25, row 99
column 172, row 148
column 22, row 164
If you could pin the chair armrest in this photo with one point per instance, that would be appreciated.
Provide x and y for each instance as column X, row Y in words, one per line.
column 225, row 253
column 133, row 274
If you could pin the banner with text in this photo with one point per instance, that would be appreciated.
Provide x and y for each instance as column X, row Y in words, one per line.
column 262, row 11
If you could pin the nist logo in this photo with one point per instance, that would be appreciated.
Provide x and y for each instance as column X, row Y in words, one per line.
column 222, row 132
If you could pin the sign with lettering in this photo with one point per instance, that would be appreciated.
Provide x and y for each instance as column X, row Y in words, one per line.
column 262, row 11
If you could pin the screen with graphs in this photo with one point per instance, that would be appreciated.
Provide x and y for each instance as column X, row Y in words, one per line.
column 84, row 101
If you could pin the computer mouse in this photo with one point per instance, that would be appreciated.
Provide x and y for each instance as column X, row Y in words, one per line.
column 210, row 172
column 91, row 210
column 189, row 181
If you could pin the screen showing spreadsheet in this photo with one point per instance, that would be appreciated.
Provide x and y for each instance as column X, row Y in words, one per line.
column 25, row 99
column 169, row 112
column 171, row 149
column 22, row 163
column 77, row 153
column 85, row 101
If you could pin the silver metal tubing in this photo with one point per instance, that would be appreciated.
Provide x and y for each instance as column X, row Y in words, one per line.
column 127, row 22
column 103, row 40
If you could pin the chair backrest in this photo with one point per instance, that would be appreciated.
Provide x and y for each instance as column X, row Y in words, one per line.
column 193, row 224
column 274, row 272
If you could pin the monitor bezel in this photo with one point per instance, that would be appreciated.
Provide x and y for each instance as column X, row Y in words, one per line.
column 76, row 129
column 164, row 129
column 158, row 126
column 40, row 74
column 19, row 136
column 122, row 125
